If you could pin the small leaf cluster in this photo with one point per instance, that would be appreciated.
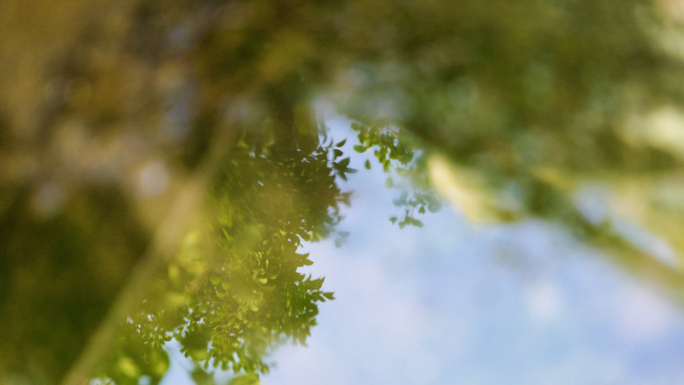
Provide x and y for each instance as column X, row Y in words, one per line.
column 392, row 150
column 134, row 358
column 395, row 152
column 420, row 201
column 341, row 167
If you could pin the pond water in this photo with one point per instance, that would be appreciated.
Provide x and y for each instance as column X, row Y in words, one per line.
column 459, row 303
column 421, row 192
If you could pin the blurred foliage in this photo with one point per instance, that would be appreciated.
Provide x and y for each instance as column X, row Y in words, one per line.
column 115, row 116
column 234, row 291
column 58, row 275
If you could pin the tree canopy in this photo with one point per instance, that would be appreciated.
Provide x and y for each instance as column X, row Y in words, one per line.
column 164, row 160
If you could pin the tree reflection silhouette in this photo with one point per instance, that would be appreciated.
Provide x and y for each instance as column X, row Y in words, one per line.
column 236, row 280
column 120, row 120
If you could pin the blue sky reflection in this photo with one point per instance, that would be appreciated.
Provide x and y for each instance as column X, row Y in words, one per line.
column 452, row 303
column 455, row 304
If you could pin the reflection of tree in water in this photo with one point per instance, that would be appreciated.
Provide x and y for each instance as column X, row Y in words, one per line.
column 236, row 280
column 516, row 104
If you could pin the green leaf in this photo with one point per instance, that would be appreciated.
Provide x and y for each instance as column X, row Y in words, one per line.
column 367, row 164
column 389, row 182
column 215, row 280
column 358, row 148
column 329, row 295
column 340, row 144
column 245, row 379
column 337, row 153
column 316, row 284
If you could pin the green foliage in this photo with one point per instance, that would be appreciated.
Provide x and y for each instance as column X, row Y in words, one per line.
column 399, row 157
column 246, row 379
column 238, row 281
column 59, row 274
column 109, row 110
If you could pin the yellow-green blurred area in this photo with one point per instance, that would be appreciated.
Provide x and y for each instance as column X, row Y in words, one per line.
column 161, row 162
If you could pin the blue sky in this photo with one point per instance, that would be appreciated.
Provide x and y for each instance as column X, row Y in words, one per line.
column 452, row 303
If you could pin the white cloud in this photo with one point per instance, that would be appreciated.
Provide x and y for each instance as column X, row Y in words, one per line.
column 543, row 301
column 641, row 315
